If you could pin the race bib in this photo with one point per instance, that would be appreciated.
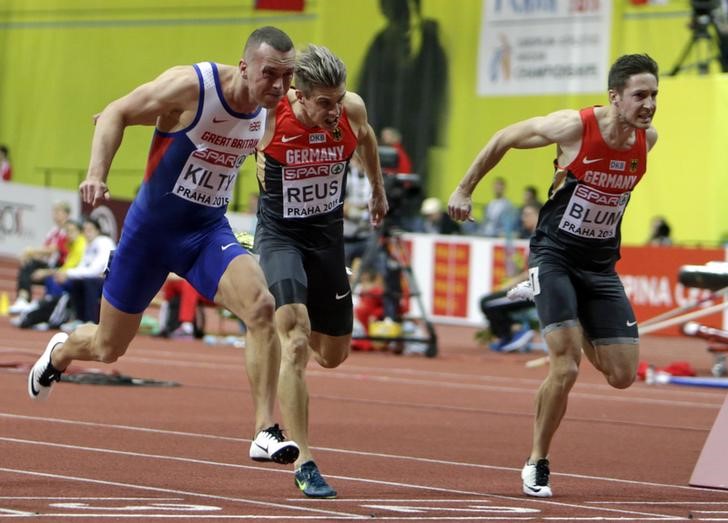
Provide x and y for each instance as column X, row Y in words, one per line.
column 208, row 177
column 309, row 190
column 593, row 214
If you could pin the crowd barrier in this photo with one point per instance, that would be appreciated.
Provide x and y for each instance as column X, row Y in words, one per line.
column 25, row 214
column 453, row 272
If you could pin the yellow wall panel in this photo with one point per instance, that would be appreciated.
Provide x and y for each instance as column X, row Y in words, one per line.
column 64, row 60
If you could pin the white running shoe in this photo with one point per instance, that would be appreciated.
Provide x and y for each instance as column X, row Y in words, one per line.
column 270, row 445
column 536, row 479
column 43, row 374
column 19, row 306
column 522, row 291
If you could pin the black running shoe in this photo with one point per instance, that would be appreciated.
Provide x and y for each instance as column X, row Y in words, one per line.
column 312, row 483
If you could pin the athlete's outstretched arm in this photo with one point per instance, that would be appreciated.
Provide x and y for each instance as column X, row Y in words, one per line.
column 369, row 153
column 560, row 127
column 170, row 93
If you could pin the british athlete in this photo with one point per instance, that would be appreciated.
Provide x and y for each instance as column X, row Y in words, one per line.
column 208, row 119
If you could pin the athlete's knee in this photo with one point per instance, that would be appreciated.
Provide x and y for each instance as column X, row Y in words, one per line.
column 621, row 378
column 564, row 368
column 261, row 309
column 620, row 367
column 566, row 374
column 330, row 359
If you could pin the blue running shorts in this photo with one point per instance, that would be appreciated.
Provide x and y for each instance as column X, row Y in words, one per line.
column 147, row 254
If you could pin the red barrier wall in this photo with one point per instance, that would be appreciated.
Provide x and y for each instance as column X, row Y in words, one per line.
column 650, row 277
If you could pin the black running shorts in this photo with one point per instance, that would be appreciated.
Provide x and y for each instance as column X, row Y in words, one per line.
column 567, row 295
column 313, row 276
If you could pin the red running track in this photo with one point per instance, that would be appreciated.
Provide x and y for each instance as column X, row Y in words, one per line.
column 401, row 438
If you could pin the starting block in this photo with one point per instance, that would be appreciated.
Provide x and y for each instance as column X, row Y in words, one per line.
column 711, row 469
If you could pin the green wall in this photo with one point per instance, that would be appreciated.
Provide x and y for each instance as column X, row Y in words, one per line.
column 63, row 60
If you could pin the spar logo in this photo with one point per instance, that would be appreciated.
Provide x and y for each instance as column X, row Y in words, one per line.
column 313, row 171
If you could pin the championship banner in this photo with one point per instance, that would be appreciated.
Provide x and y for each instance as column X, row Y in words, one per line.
column 650, row 278
column 540, row 48
column 451, row 272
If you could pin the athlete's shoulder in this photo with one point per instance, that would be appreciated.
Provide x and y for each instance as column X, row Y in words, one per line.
column 352, row 101
column 566, row 117
column 225, row 73
column 180, row 74
column 563, row 126
column 651, row 133
column 180, row 82
column 356, row 109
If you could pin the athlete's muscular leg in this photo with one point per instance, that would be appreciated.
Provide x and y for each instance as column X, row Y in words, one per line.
column 591, row 353
column 243, row 291
column 294, row 330
column 564, row 346
column 105, row 342
column 618, row 362
column 330, row 351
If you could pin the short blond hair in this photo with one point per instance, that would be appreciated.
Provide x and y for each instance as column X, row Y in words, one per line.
column 317, row 66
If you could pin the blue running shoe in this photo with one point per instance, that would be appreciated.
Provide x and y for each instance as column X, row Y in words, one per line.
column 312, row 483
column 519, row 341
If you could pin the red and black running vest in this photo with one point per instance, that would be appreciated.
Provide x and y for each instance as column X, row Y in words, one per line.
column 302, row 175
column 581, row 219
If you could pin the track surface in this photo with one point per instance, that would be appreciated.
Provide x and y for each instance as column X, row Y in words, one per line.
column 402, row 438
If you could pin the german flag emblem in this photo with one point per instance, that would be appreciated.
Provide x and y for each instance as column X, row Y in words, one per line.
column 336, row 134
column 633, row 165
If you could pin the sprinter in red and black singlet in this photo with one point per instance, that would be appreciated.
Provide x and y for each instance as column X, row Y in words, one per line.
column 581, row 303
column 582, row 217
column 302, row 164
column 208, row 117
column 302, row 177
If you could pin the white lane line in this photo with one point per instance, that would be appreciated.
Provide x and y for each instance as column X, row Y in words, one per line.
column 230, row 465
column 413, row 486
column 516, row 390
column 85, row 498
column 175, row 491
column 658, row 502
column 425, row 378
column 495, row 412
column 350, row 452
column 15, row 513
column 185, row 517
